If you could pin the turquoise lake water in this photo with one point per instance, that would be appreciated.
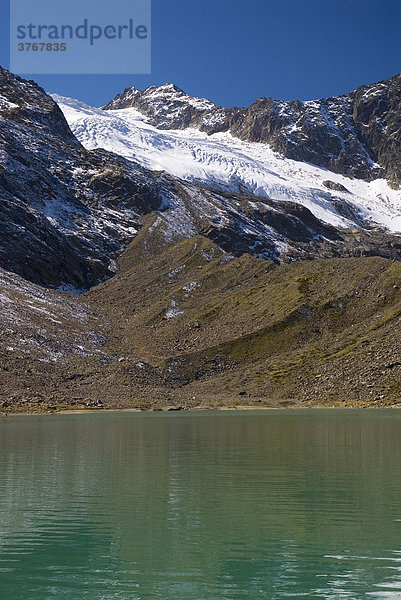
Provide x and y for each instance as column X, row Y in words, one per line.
column 201, row 506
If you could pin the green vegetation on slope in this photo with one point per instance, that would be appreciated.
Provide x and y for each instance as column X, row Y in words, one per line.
column 213, row 325
column 188, row 325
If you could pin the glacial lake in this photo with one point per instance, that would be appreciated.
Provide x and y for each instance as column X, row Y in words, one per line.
column 201, row 506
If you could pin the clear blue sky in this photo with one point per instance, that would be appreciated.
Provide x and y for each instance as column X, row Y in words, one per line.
column 234, row 51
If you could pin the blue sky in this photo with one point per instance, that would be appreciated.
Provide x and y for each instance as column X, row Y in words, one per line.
column 234, row 51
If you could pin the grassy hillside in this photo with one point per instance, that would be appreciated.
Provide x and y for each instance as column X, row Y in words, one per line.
column 187, row 325
column 243, row 330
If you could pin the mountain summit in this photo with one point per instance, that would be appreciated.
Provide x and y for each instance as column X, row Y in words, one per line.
column 168, row 107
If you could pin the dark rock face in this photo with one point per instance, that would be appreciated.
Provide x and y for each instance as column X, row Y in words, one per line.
column 320, row 132
column 65, row 213
column 377, row 116
column 287, row 231
column 356, row 134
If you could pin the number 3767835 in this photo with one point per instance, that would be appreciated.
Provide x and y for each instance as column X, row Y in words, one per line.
column 42, row 47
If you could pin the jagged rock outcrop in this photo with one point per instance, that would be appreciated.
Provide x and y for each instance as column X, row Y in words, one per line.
column 169, row 107
column 287, row 231
column 356, row 134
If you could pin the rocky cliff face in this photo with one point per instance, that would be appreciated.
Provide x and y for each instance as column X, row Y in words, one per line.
column 357, row 134
column 65, row 213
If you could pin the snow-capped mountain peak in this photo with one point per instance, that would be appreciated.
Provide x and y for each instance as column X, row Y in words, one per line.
column 167, row 106
column 167, row 92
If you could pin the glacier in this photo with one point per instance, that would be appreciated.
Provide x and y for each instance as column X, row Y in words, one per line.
column 221, row 161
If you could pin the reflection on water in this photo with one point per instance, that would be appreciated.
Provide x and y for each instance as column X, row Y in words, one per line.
column 258, row 505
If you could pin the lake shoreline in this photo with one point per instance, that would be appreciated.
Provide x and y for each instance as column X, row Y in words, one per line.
column 193, row 410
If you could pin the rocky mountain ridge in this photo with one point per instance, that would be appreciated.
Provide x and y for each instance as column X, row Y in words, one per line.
column 356, row 134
